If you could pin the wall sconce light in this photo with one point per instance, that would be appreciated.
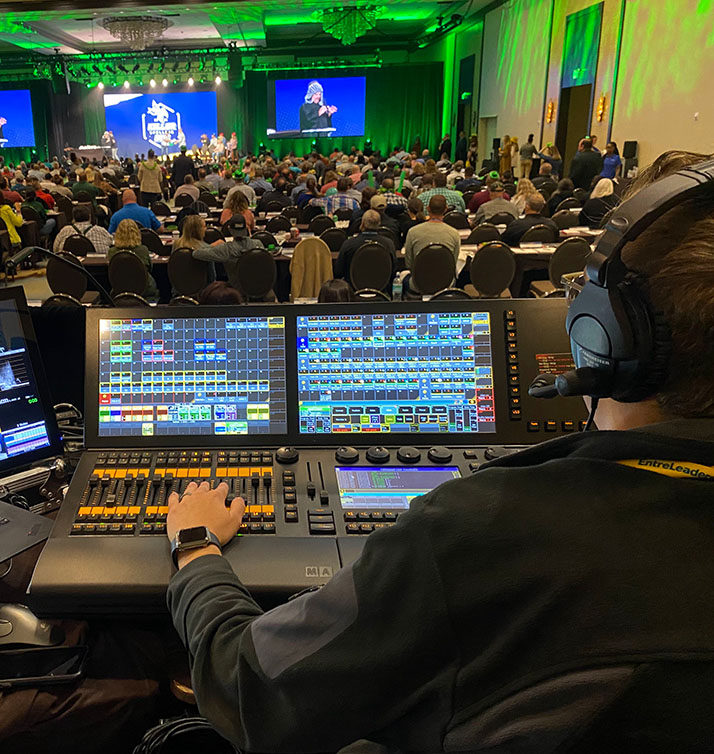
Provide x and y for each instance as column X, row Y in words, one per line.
column 550, row 112
column 600, row 112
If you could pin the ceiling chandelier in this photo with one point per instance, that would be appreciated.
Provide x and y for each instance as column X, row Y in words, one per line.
column 137, row 32
column 347, row 24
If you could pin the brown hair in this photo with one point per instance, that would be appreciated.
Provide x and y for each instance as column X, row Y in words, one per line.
column 676, row 255
column 193, row 231
column 237, row 202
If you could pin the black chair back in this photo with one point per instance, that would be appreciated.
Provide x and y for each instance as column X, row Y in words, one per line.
column 510, row 189
column 129, row 300
column 208, row 199
column 371, row 267
column 64, row 275
column 539, row 233
column 334, row 238
column 83, row 197
column 79, row 245
column 501, row 218
column 183, row 301
column 390, row 234
column 256, row 272
column 127, row 273
column 566, row 219
column 274, row 206
column 493, row 269
column 320, row 223
column 183, row 200
column 450, row 294
column 152, row 241
column 186, row 274
column 468, row 196
column 213, row 234
column 570, row 256
column 434, row 268
column 483, row 233
column 31, row 215
column 276, row 224
column 267, row 239
column 308, row 212
column 344, row 213
column 582, row 195
column 161, row 209
column 456, row 220
column 61, row 299
column 370, row 294
column 291, row 212
column 569, row 203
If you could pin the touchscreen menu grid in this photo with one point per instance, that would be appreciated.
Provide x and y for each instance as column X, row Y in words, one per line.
column 414, row 373
column 193, row 376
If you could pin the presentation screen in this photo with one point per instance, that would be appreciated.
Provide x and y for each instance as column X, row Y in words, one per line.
column 162, row 122
column 16, row 129
column 318, row 106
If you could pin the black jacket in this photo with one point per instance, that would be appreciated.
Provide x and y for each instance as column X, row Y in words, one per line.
column 595, row 210
column 183, row 166
column 514, row 232
column 545, row 184
column 584, row 167
column 557, row 600
column 349, row 248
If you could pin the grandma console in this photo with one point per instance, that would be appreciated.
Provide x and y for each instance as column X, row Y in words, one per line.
column 327, row 420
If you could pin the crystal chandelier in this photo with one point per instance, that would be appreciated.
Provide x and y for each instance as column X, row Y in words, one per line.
column 347, row 24
column 137, row 32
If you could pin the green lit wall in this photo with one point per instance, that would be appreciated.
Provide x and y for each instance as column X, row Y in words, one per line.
column 664, row 92
column 582, row 39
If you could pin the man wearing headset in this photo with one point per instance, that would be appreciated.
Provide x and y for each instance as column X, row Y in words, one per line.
column 560, row 599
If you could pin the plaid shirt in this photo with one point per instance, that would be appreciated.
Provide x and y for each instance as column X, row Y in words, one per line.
column 454, row 200
column 101, row 239
column 396, row 199
column 334, row 202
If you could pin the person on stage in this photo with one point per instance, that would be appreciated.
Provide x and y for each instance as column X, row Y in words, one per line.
column 181, row 136
column 232, row 146
column 3, row 121
column 106, row 142
column 314, row 113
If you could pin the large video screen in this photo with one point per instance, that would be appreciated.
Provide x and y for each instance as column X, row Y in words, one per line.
column 161, row 122
column 318, row 106
column 16, row 129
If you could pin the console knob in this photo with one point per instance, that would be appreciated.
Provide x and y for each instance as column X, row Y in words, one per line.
column 492, row 453
column 408, row 454
column 439, row 454
column 347, row 455
column 377, row 454
column 286, row 455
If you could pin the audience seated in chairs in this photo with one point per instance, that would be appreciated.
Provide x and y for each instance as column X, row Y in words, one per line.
column 220, row 293
column 82, row 225
column 130, row 210
column 379, row 203
column 237, row 204
column 11, row 196
column 564, row 191
column 228, row 252
column 276, row 194
column 335, row 292
column 534, row 216
column 46, row 225
column 496, row 204
column 128, row 238
column 435, row 230
column 413, row 216
column 544, row 180
column 368, row 233
column 601, row 202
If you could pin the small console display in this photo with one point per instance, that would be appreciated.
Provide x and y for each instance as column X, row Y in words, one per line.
column 389, row 487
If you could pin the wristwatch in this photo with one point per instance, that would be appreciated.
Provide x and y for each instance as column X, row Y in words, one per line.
column 192, row 539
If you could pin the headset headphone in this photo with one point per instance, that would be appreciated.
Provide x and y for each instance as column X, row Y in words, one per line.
column 621, row 346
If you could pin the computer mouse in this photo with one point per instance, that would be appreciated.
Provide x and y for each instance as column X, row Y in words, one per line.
column 19, row 625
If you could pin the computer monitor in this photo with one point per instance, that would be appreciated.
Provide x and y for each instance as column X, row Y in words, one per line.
column 28, row 428
column 395, row 372
column 180, row 376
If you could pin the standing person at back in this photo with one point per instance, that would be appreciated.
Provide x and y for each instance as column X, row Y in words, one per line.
column 435, row 230
column 585, row 166
column 527, row 153
column 150, row 180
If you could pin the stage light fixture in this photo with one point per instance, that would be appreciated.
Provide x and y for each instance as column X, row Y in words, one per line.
column 126, row 85
column 152, row 83
column 165, row 82
column 175, row 81
column 218, row 80
column 101, row 85
column 122, row 69
column 135, row 68
column 190, row 81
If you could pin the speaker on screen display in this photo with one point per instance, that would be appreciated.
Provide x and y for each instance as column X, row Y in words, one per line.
column 629, row 150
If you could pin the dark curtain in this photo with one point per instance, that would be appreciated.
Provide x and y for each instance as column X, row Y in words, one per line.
column 403, row 102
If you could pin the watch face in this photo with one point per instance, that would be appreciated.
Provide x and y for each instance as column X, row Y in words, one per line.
column 194, row 536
